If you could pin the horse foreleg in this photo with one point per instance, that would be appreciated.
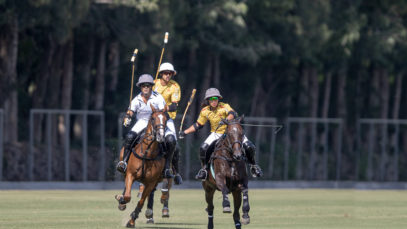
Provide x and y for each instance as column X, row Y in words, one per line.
column 246, row 207
column 150, row 205
column 221, row 184
column 237, row 201
column 165, row 196
column 134, row 215
column 209, row 191
column 126, row 196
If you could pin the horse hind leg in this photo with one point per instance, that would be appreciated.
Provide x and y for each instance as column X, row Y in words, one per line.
column 246, row 207
column 237, row 201
column 134, row 215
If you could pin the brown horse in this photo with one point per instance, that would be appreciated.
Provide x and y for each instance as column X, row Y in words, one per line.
column 145, row 164
column 229, row 174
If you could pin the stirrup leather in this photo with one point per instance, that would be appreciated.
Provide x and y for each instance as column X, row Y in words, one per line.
column 121, row 166
column 202, row 174
column 255, row 170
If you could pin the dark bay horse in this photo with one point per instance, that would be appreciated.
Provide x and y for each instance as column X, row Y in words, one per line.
column 228, row 174
column 146, row 163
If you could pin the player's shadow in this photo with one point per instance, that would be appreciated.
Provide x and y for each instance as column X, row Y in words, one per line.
column 171, row 225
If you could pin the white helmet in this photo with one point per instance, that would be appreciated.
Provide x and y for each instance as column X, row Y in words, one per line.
column 212, row 92
column 167, row 67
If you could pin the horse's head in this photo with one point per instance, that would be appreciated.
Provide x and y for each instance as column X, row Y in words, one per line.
column 234, row 136
column 159, row 120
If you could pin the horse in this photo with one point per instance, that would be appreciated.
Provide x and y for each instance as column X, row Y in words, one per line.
column 229, row 168
column 145, row 164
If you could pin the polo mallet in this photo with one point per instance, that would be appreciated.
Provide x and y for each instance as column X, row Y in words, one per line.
column 162, row 53
column 186, row 109
column 133, row 58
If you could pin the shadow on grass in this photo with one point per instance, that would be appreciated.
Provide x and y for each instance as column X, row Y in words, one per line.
column 170, row 225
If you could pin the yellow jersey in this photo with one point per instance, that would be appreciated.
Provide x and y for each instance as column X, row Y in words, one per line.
column 171, row 93
column 215, row 115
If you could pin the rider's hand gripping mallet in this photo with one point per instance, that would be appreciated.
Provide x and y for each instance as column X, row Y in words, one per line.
column 126, row 121
column 162, row 53
column 186, row 109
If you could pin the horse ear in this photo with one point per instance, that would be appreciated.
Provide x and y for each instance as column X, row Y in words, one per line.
column 152, row 107
column 241, row 119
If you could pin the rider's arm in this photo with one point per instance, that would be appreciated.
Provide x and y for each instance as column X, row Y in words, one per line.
column 194, row 127
column 231, row 114
column 175, row 98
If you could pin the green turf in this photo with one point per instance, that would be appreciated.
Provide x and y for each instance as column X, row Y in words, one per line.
column 303, row 208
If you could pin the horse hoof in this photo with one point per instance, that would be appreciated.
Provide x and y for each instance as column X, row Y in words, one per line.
column 121, row 207
column 130, row 224
column 149, row 213
column 227, row 210
column 166, row 213
column 245, row 221
column 150, row 221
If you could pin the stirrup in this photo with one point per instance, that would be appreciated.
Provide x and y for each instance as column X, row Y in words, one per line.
column 177, row 179
column 255, row 170
column 202, row 174
column 168, row 173
column 121, row 167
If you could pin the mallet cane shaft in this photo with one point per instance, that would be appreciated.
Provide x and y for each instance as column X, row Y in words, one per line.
column 186, row 109
column 162, row 53
column 133, row 58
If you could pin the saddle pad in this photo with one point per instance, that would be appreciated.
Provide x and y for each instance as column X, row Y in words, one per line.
column 212, row 171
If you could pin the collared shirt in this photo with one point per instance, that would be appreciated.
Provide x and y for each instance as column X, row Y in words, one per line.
column 143, row 110
column 171, row 93
column 215, row 115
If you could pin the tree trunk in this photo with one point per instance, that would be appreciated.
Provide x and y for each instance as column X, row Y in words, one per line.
column 204, row 86
column 314, row 95
column 67, row 76
column 216, row 70
column 323, row 170
column 87, row 71
column 8, row 78
column 385, row 94
column 100, row 77
column 394, row 139
column 114, row 60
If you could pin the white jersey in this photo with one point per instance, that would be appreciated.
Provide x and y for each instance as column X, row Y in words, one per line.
column 142, row 110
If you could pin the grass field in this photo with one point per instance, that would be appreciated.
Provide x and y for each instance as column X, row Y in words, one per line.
column 301, row 208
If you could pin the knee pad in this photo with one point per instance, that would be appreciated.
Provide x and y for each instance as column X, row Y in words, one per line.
column 130, row 138
column 170, row 142
column 202, row 151
column 249, row 146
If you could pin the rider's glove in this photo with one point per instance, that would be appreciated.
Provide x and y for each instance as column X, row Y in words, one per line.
column 181, row 134
column 127, row 120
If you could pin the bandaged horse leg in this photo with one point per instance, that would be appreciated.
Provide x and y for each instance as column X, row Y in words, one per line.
column 150, row 205
column 209, row 191
column 126, row 196
column 221, row 184
column 134, row 215
column 165, row 196
column 237, row 201
column 140, row 190
column 246, row 207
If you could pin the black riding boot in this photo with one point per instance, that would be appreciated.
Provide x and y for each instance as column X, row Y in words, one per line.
column 127, row 145
column 202, row 173
column 175, row 165
column 250, row 151
column 170, row 144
